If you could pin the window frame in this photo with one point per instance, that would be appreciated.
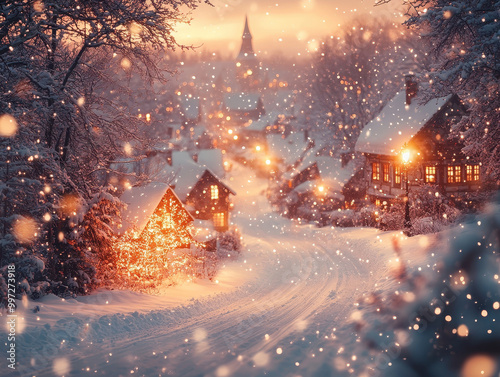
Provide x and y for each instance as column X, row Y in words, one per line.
column 214, row 192
column 386, row 172
column 474, row 174
column 219, row 219
column 455, row 176
column 398, row 176
column 376, row 172
column 428, row 174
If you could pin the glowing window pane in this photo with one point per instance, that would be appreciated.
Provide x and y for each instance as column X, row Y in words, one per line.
column 430, row 174
column 214, row 192
column 375, row 171
column 385, row 169
column 219, row 220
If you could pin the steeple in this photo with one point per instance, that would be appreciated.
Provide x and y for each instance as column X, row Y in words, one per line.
column 247, row 64
column 246, row 43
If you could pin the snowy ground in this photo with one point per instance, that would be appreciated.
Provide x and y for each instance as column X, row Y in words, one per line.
column 282, row 309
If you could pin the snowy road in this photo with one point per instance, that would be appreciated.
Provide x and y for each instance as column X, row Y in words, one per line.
column 288, row 318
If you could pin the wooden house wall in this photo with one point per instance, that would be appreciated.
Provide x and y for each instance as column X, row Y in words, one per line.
column 204, row 206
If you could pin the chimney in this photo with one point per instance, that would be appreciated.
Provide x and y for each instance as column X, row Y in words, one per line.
column 411, row 88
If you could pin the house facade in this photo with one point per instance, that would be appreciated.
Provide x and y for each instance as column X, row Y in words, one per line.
column 423, row 130
column 205, row 195
column 209, row 199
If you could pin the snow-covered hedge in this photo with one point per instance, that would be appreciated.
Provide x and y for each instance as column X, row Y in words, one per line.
column 442, row 322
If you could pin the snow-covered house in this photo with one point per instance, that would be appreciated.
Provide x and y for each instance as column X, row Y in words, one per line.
column 324, row 176
column 205, row 194
column 435, row 155
column 242, row 107
column 154, row 211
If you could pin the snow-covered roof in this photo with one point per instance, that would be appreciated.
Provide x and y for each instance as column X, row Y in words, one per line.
column 184, row 173
column 141, row 202
column 258, row 125
column 212, row 159
column 396, row 124
column 241, row 101
column 289, row 149
column 332, row 174
column 311, row 186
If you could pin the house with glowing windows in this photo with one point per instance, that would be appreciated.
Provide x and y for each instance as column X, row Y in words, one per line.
column 202, row 191
column 423, row 128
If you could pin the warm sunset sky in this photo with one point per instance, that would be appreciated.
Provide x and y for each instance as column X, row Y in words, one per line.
column 289, row 26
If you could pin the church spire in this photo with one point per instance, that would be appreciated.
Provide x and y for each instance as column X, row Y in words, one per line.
column 246, row 43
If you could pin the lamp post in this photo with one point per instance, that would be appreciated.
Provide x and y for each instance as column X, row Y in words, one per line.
column 405, row 154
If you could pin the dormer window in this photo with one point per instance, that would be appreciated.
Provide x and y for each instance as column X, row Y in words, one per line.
column 214, row 192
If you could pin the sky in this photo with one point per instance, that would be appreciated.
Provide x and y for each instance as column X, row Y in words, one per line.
column 291, row 27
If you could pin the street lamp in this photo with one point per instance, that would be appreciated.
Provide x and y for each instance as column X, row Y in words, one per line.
column 405, row 155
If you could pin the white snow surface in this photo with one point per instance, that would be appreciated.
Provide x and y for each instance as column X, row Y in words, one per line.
column 396, row 124
column 282, row 309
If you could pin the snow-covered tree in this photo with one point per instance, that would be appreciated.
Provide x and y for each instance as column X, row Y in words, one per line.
column 58, row 130
column 355, row 73
column 466, row 50
column 440, row 322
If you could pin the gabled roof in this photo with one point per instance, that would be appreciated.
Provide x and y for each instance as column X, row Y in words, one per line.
column 209, row 173
column 141, row 203
column 184, row 173
column 241, row 101
column 330, row 170
column 396, row 124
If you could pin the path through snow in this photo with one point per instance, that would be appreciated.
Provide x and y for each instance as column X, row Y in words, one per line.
column 282, row 310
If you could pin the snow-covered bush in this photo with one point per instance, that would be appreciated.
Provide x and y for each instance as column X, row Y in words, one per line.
column 441, row 322
column 229, row 244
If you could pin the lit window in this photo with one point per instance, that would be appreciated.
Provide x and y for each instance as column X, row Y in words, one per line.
column 214, row 192
column 397, row 176
column 219, row 220
column 454, row 174
column 472, row 173
column 430, row 174
column 375, row 171
column 385, row 171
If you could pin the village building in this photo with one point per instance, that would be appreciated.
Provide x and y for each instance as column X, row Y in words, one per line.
column 205, row 195
column 155, row 211
column 324, row 177
column 240, row 108
column 247, row 65
column 435, row 155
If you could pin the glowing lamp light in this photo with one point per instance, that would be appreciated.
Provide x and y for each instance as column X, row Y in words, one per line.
column 268, row 162
column 257, row 148
column 405, row 155
column 321, row 189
